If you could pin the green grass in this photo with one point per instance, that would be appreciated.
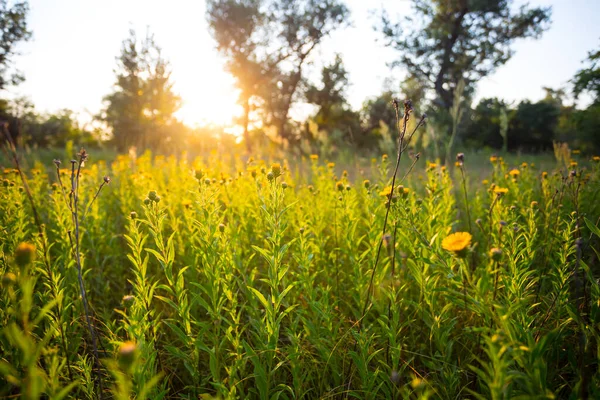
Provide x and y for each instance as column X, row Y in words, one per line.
column 205, row 278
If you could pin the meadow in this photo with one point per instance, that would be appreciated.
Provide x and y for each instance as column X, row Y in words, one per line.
column 230, row 276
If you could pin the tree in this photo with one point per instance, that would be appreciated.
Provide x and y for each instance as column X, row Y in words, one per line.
column 334, row 115
column 588, row 79
column 267, row 44
column 452, row 40
column 485, row 125
column 378, row 111
column 140, row 109
column 331, row 95
column 13, row 29
column 236, row 27
column 532, row 125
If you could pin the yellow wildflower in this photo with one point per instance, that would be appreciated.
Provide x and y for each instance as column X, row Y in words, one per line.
column 314, row 157
column 493, row 159
column 457, row 243
column 514, row 173
column 500, row 190
column 386, row 192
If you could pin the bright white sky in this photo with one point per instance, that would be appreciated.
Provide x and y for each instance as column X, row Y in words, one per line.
column 69, row 63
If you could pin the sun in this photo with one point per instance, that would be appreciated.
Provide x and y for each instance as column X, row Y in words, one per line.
column 208, row 92
column 218, row 107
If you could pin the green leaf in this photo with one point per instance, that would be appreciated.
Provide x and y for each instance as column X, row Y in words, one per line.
column 260, row 297
column 592, row 227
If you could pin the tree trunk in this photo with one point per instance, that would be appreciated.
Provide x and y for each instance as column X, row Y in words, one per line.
column 446, row 96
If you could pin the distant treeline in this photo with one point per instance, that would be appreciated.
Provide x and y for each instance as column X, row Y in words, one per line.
column 445, row 49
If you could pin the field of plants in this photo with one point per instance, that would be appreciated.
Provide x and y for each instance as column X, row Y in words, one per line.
column 232, row 276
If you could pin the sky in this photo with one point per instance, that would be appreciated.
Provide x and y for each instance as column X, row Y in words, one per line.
column 70, row 61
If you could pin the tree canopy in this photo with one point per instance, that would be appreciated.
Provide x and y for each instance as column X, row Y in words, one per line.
column 13, row 29
column 267, row 44
column 140, row 109
column 447, row 41
column 588, row 79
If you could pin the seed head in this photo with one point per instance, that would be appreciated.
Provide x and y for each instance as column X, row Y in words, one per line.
column 395, row 377
column 83, row 155
column 284, row 185
column 57, row 163
column 367, row 183
column 460, row 157
column 106, row 179
column 133, row 215
column 270, row 176
column 221, row 228
column 387, row 238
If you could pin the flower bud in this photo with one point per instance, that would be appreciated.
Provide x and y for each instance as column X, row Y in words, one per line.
column 127, row 355
column 9, row 279
column 24, row 254
column 496, row 254
column 128, row 300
